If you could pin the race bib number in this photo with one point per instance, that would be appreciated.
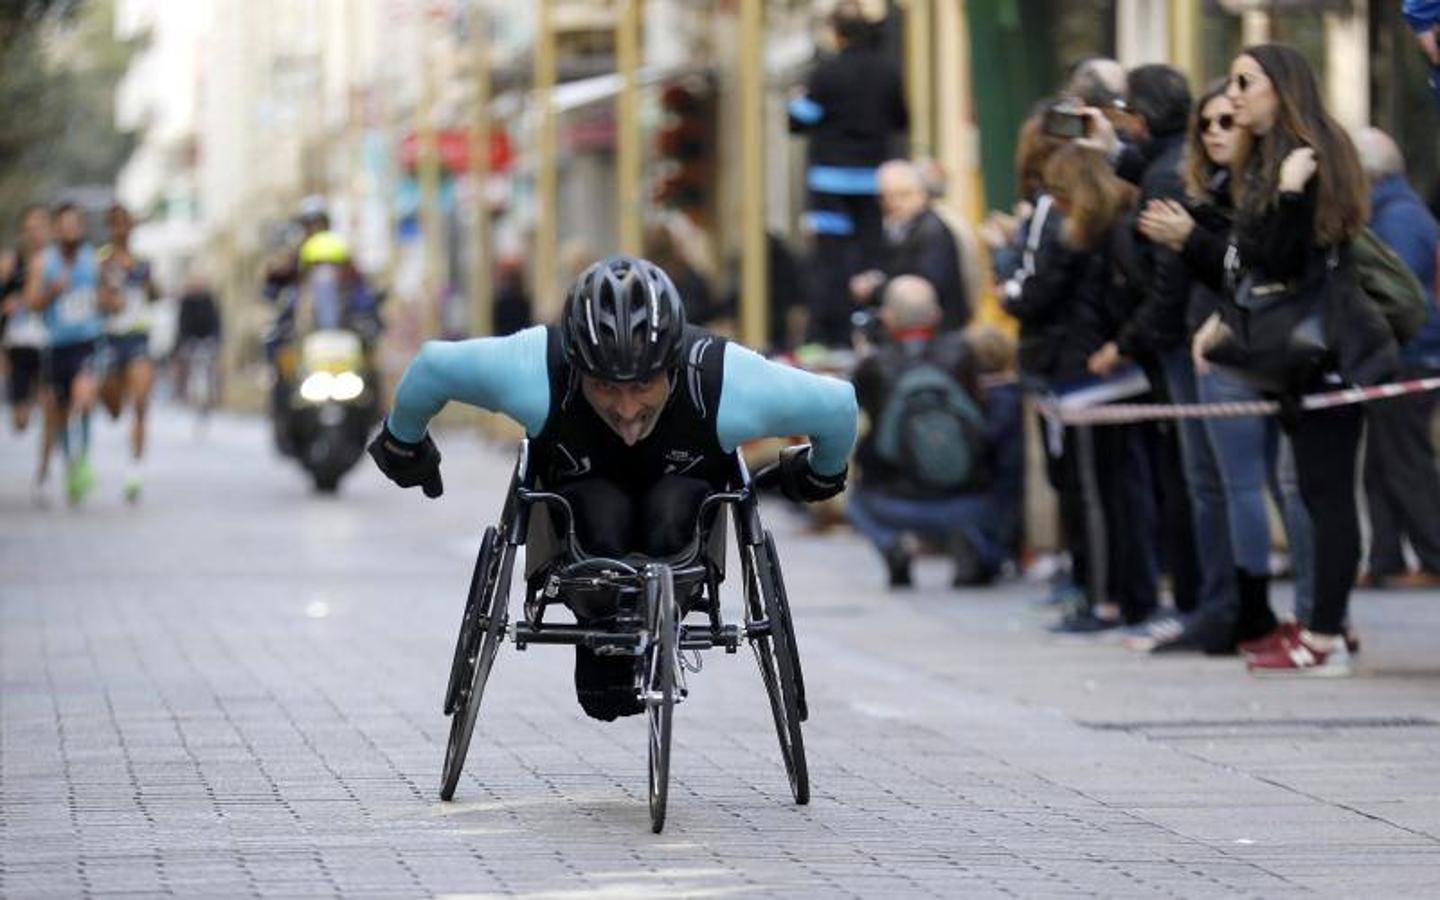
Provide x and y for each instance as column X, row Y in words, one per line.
column 132, row 315
column 76, row 306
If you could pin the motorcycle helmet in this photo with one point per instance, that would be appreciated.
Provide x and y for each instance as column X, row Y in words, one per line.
column 623, row 320
column 324, row 247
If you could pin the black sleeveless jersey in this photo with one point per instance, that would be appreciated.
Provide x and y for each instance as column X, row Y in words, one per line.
column 576, row 442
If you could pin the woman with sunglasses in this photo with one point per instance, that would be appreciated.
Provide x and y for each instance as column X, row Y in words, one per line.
column 1228, row 462
column 1301, row 197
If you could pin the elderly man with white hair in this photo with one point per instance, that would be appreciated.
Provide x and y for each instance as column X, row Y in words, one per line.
column 918, row 242
column 1401, row 485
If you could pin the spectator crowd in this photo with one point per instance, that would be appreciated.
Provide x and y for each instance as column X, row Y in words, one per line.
column 1240, row 245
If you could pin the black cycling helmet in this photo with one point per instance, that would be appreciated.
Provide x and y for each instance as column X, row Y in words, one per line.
column 623, row 320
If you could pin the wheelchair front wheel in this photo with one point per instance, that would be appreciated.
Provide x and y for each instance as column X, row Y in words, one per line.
column 787, row 625
column 779, row 665
column 468, row 638
column 659, row 684
column 482, row 632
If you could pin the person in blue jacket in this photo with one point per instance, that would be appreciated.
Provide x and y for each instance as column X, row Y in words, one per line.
column 1402, row 486
column 1423, row 17
column 632, row 415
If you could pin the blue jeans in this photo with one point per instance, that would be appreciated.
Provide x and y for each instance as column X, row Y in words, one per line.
column 1245, row 451
column 1209, row 504
column 1299, row 531
column 884, row 520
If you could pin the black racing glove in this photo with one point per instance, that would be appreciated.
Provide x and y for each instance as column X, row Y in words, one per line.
column 408, row 464
column 803, row 484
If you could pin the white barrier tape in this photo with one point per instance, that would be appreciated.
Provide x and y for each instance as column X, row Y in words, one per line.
column 1126, row 413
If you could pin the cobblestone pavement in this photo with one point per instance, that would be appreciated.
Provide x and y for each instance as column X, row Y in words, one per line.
column 234, row 689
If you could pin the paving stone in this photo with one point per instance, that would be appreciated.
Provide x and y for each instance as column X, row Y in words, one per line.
column 174, row 717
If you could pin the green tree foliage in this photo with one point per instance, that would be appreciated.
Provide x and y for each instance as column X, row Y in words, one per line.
column 59, row 67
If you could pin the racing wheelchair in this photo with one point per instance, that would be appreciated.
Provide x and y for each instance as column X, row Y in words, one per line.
column 651, row 610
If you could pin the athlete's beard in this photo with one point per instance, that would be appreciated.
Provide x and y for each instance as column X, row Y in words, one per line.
column 70, row 249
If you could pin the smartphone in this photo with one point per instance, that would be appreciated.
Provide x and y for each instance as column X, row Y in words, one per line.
column 1063, row 123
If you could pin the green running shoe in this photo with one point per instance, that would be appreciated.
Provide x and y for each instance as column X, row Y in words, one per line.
column 79, row 480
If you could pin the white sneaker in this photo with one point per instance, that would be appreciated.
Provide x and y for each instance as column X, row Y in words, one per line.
column 40, row 494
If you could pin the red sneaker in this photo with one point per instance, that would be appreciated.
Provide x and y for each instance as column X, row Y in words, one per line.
column 1285, row 631
column 1301, row 657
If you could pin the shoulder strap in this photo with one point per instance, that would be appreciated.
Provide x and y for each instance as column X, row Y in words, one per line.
column 703, row 365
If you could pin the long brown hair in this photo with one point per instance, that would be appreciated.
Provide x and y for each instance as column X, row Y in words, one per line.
column 1094, row 196
column 1343, row 202
column 1032, row 151
column 1198, row 170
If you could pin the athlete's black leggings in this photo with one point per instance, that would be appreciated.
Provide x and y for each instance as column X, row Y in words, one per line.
column 613, row 521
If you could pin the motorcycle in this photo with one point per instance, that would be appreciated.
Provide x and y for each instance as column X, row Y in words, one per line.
column 329, row 401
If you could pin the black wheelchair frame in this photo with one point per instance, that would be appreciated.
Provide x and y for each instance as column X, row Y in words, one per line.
column 649, row 600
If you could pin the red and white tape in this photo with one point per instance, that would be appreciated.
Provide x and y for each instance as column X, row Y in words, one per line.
column 1125, row 413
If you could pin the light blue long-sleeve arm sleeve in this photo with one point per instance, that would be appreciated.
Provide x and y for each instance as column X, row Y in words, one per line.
column 761, row 398
column 506, row 375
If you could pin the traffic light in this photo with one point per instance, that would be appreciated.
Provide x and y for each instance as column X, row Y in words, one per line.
column 684, row 146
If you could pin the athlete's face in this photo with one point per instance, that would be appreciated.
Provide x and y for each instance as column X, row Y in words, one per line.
column 631, row 408
column 35, row 230
column 118, row 220
column 70, row 228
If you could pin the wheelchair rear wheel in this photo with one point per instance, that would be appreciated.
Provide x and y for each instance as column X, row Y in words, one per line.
column 779, row 664
column 659, row 684
column 481, row 632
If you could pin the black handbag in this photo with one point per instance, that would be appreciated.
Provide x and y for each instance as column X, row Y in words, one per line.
column 1273, row 333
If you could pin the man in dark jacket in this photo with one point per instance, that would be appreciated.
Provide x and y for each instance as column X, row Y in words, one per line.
column 1155, row 333
column 918, row 242
column 1159, row 98
column 1402, row 488
column 851, row 108
column 978, row 516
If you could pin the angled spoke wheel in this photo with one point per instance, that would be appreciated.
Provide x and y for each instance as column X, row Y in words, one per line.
column 773, row 642
column 481, row 633
column 787, row 625
column 468, row 639
column 659, row 684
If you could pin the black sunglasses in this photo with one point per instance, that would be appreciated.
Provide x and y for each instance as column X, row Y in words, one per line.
column 1225, row 120
column 1243, row 81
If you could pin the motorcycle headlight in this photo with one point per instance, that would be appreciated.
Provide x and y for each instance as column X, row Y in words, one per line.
column 347, row 387
column 317, row 387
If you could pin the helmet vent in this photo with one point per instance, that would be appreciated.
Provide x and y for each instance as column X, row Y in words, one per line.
column 623, row 321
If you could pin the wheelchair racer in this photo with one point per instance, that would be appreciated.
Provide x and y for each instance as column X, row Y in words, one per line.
column 633, row 416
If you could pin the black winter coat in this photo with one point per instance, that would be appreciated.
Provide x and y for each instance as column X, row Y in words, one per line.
column 1040, row 298
column 1280, row 246
column 863, row 102
column 1158, row 321
column 928, row 249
